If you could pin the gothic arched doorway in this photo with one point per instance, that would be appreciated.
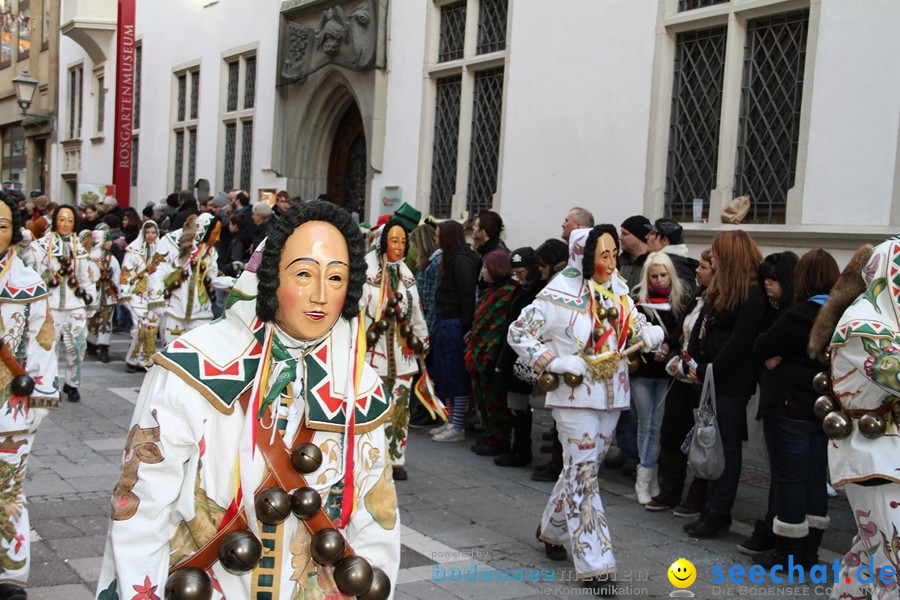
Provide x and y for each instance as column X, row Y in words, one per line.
column 347, row 165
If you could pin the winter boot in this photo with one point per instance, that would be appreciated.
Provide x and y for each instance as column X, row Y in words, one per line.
column 789, row 545
column 520, row 455
column 672, row 471
column 104, row 353
column 811, row 543
column 761, row 540
column 694, row 502
column 711, row 525
column 642, row 485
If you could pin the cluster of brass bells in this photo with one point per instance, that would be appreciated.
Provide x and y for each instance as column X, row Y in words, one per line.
column 547, row 381
column 611, row 314
column 836, row 423
column 393, row 311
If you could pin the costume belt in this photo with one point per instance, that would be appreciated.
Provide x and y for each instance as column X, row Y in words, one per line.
column 838, row 421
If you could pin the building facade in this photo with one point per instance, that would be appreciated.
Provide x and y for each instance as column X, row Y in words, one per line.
column 529, row 108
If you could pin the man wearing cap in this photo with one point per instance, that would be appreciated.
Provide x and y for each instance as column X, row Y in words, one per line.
column 576, row 218
column 633, row 237
column 666, row 235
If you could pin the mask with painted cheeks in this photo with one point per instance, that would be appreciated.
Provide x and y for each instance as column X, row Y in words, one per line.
column 396, row 244
column 65, row 222
column 6, row 227
column 605, row 255
column 314, row 275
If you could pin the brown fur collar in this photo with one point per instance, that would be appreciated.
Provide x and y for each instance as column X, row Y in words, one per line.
column 848, row 286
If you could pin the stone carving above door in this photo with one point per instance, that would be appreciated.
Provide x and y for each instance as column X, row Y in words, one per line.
column 316, row 34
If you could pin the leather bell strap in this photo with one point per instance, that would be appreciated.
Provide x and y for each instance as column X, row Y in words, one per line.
column 856, row 413
column 281, row 473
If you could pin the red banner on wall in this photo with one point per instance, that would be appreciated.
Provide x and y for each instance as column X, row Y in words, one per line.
column 125, row 81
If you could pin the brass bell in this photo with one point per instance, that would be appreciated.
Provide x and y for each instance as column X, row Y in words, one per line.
column 189, row 583
column 239, row 552
column 548, row 381
column 382, row 325
column 634, row 363
column 305, row 502
column 597, row 333
column 826, row 356
column 837, row 425
column 353, row 575
column 572, row 380
column 306, row 458
column 371, row 338
column 22, row 385
column 394, row 301
column 824, row 405
column 380, row 588
column 406, row 330
column 602, row 312
column 871, row 425
column 388, row 311
column 327, row 546
column 273, row 505
column 612, row 313
column 822, row 382
column 416, row 344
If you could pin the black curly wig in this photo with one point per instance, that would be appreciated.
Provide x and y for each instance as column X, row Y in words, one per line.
column 281, row 230
column 382, row 248
column 74, row 217
column 590, row 245
column 17, row 222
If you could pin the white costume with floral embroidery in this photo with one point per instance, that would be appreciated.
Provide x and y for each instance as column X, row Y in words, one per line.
column 560, row 323
column 865, row 375
column 179, row 476
column 70, row 314
column 27, row 328
column 141, row 288
column 391, row 358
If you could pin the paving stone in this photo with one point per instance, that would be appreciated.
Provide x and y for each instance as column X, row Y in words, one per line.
column 61, row 592
column 52, row 573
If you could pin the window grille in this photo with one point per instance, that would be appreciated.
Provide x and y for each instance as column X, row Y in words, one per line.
column 485, row 149
column 492, row 26
column 250, row 82
column 179, row 157
column 446, row 140
column 769, row 124
column 694, row 125
column 138, row 59
column 692, row 4
column 246, row 153
column 182, row 90
column 101, row 103
column 192, row 156
column 232, row 98
column 195, row 93
column 453, row 31
column 230, row 140
column 74, row 103
column 134, row 161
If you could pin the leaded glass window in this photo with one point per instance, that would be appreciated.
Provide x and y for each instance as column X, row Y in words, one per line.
column 134, row 161
column 446, row 141
column 453, row 31
column 195, row 93
column 492, row 26
column 692, row 4
column 769, row 124
column 182, row 91
column 246, row 153
column 694, row 126
column 250, row 82
column 179, row 158
column 230, row 140
column 231, row 102
column 485, row 150
column 192, row 156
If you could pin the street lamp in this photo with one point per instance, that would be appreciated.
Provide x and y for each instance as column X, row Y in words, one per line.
column 25, row 87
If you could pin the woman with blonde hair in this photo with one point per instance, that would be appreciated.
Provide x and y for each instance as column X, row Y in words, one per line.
column 723, row 337
column 660, row 297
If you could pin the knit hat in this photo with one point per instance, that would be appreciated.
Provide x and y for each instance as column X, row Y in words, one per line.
column 638, row 226
column 220, row 199
column 523, row 257
column 408, row 216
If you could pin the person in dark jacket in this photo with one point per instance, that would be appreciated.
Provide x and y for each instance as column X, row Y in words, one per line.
column 518, row 391
column 795, row 440
column 187, row 206
column 723, row 337
column 241, row 246
column 454, row 311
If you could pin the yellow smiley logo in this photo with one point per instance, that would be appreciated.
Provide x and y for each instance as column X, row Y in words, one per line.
column 682, row 573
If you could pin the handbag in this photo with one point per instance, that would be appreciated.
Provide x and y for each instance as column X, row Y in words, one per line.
column 706, row 454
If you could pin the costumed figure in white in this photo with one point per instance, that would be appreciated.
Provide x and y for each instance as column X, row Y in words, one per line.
column 859, row 329
column 106, row 280
column 575, row 336
column 28, row 390
column 257, row 466
column 189, row 275
column 396, row 332
column 64, row 266
column 141, row 289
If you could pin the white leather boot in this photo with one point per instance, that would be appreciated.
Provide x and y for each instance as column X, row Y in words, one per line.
column 642, row 485
column 654, row 483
